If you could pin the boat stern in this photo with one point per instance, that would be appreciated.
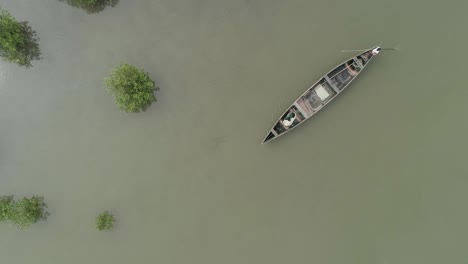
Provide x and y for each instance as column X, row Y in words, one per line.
column 268, row 137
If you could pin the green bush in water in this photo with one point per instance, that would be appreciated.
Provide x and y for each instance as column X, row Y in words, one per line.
column 132, row 88
column 23, row 212
column 91, row 6
column 18, row 42
column 6, row 204
column 105, row 221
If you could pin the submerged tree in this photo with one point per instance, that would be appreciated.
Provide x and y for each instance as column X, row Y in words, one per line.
column 132, row 88
column 18, row 42
column 91, row 6
column 23, row 212
column 105, row 221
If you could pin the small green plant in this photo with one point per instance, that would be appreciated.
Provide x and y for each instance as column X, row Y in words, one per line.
column 23, row 212
column 91, row 6
column 18, row 42
column 132, row 88
column 105, row 221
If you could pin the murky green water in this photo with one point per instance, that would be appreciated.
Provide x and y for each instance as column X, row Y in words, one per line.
column 380, row 176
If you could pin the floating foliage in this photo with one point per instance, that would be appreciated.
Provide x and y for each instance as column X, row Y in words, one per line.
column 18, row 42
column 91, row 6
column 105, row 221
column 132, row 88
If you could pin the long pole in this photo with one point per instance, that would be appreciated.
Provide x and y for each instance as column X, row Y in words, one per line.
column 396, row 48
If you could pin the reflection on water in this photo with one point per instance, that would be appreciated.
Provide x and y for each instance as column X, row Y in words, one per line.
column 31, row 45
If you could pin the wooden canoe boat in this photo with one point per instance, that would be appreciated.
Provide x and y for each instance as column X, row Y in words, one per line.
column 320, row 94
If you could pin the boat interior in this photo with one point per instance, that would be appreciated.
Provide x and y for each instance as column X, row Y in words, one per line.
column 315, row 98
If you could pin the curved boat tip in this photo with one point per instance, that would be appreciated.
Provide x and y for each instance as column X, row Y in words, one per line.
column 268, row 137
column 376, row 50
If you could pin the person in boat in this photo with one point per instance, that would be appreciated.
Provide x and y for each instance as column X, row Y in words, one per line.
column 376, row 50
column 288, row 120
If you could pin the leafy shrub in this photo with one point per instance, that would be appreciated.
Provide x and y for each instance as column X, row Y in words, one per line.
column 105, row 221
column 28, row 211
column 18, row 42
column 23, row 212
column 132, row 88
column 91, row 6
column 6, row 203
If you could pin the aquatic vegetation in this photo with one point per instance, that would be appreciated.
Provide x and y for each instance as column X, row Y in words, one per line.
column 91, row 6
column 23, row 212
column 132, row 88
column 6, row 203
column 18, row 42
column 105, row 221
